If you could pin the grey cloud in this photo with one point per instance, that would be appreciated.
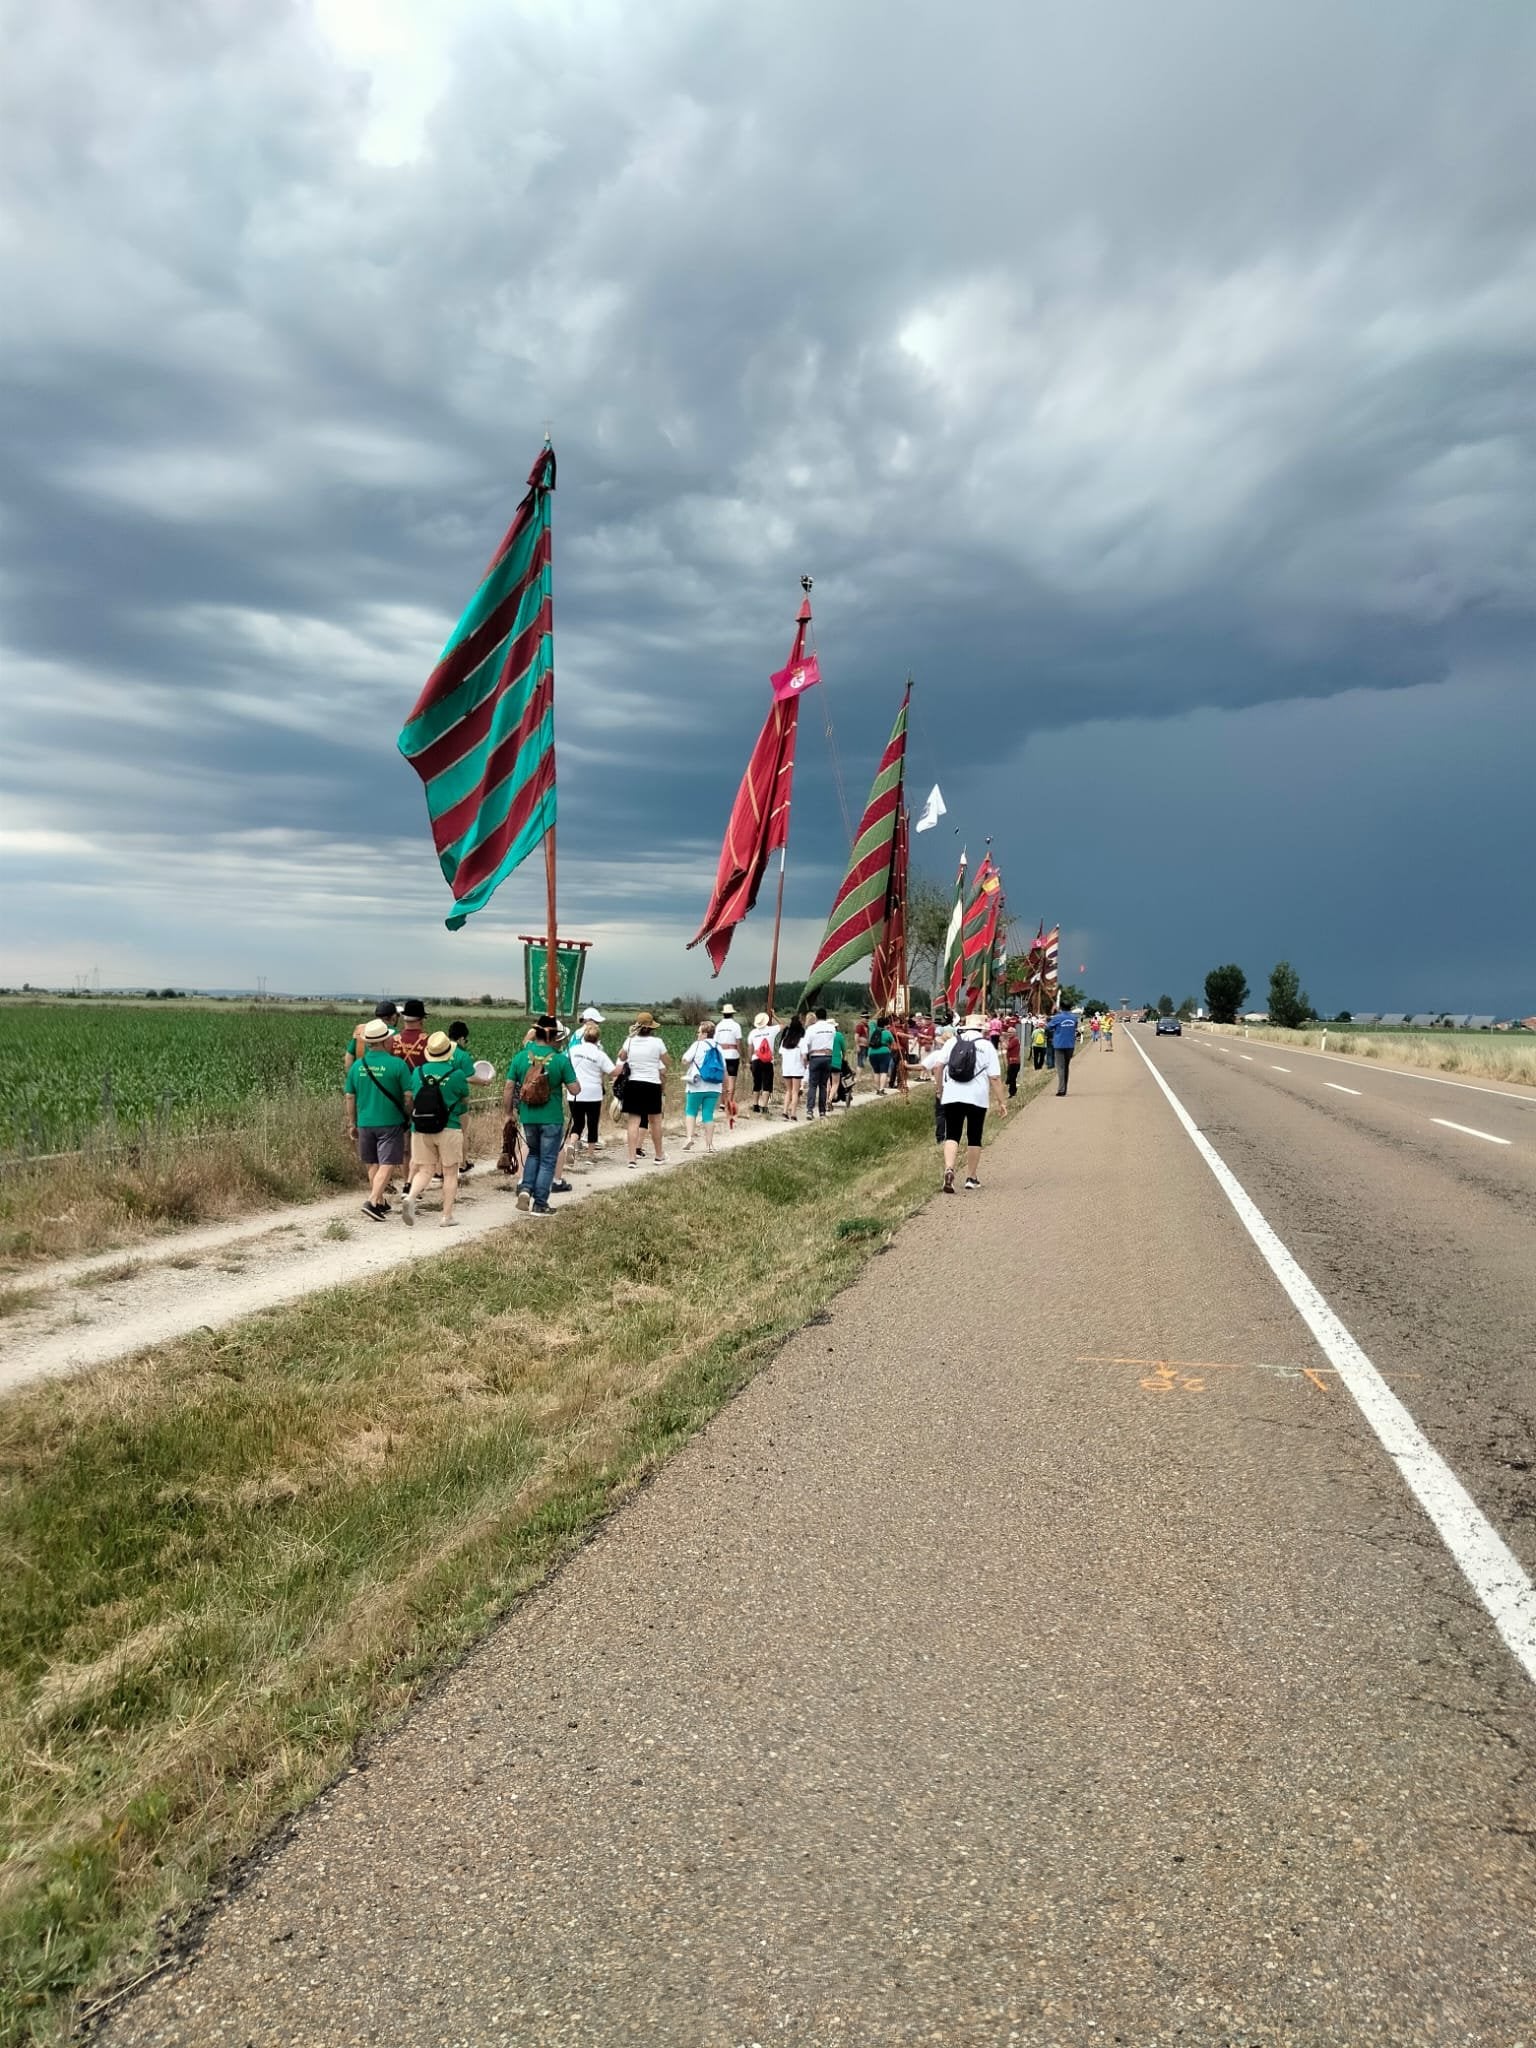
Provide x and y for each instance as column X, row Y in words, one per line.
column 1100, row 364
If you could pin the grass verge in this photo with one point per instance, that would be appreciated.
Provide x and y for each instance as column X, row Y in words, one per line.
column 1479, row 1055
column 231, row 1558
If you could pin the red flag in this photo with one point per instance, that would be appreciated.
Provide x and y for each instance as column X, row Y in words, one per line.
column 760, row 816
column 795, row 676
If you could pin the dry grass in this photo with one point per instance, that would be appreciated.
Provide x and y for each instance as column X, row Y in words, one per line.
column 1478, row 1055
column 229, row 1559
column 123, row 1195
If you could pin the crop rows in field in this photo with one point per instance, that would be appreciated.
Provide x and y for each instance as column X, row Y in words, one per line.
column 69, row 1073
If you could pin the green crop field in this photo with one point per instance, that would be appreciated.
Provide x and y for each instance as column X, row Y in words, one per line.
column 73, row 1071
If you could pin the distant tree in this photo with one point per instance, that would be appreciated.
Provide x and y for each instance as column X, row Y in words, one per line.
column 1226, row 990
column 486, row 1001
column 1186, row 1009
column 1165, row 1006
column 692, row 1009
column 1094, row 1008
column 1344, row 1017
column 1069, row 995
column 1289, row 1004
column 928, row 914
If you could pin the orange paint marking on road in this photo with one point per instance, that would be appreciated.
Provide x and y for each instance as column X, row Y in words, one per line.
column 1316, row 1378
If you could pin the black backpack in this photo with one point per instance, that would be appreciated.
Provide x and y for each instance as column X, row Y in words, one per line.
column 429, row 1112
column 962, row 1060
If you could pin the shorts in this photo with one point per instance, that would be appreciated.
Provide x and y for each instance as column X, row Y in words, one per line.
column 437, row 1149
column 880, row 1062
column 701, row 1102
column 733, row 1068
column 381, row 1144
column 642, row 1098
column 967, row 1117
column 762, row 1077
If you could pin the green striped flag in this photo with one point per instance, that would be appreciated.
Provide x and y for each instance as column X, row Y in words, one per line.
column 862, row 905
column 949, row 981
column 482, row 735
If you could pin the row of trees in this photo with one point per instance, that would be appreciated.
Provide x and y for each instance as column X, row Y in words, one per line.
column 1226, row 990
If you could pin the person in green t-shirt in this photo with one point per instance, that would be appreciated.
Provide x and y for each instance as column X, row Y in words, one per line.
column 378, row 1109
column 882, row 1047
column 543, row 1123
column 441, row 1151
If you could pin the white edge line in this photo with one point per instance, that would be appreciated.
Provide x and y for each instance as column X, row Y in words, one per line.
column 1339, row 1086
column 1486, row 1561
column 1278, row 1070
column 1467, row 1130
column 1362, row 1065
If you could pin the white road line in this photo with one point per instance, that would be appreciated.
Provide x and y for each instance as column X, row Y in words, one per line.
column 1279, row 1070
column 1245, row 1056
column 1485, row 1559
column 1339, row 1088
column 1361, row 1064
column 1467, row 1131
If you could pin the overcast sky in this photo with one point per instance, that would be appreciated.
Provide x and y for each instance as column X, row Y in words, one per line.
column 1155, row 382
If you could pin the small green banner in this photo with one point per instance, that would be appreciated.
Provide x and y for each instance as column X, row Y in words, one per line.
column 570, row 962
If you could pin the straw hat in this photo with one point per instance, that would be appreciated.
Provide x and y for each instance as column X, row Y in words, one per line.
column 376, row 1029
column 760, row 1021
column 976, row 1021
column 439, row 1046
column 645, row 1021
column 727, row 1009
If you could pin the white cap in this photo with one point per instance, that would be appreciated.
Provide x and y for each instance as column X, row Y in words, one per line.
column 591, row 1016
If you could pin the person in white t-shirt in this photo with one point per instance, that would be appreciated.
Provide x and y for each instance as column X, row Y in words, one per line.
column 819, row 1036
column 704, row 1083
column 593, row 1067
column 761, row 1042
column 728, row 1038
column 963, row 1097
column 792, row 1066
column 643, row 1055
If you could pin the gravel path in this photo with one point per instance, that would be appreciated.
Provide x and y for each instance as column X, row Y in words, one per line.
column 975, row 1678
column 115, row 1303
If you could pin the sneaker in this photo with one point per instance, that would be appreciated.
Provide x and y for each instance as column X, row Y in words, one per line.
column 524, row 1199
column 449, row 1223
column 375, row 1212
column 559, row 1187
column 949, row 1182
column 408, row 1210
column 970, row 1184
column 688, row 1147
column 542, row 1209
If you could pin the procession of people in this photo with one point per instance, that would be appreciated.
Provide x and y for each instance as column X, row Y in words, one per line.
column 407, row 1088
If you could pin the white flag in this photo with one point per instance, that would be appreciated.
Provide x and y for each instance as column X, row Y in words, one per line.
column 933, row 810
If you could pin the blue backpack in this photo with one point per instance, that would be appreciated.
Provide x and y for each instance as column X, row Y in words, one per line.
column 712, row 1066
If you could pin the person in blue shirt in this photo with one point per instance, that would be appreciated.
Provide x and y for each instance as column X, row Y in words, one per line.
column 1063, row 1036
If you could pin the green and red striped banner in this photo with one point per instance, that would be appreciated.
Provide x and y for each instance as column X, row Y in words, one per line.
column 482, row 734
column 861, row 907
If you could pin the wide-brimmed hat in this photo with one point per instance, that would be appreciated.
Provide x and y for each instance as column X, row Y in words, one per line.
column 439, row 1046
column 591, row 1016
column 375, row 1029
column 727, row 1009
column 760, row 1021
column 645, row 1021
column 976, row 1021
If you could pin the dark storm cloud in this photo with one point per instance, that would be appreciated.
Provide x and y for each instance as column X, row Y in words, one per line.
column 1101, row 365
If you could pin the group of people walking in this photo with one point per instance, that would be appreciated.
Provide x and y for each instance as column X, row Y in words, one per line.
column 407, row 1088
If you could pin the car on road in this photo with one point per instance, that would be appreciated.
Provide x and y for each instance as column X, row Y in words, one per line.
column 1169, row 1027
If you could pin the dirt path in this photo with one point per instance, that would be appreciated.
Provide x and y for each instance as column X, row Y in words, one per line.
column 94, row 1309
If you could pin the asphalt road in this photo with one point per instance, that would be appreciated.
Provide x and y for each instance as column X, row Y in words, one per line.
column 1411, row 1202
column 1043, row 1650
